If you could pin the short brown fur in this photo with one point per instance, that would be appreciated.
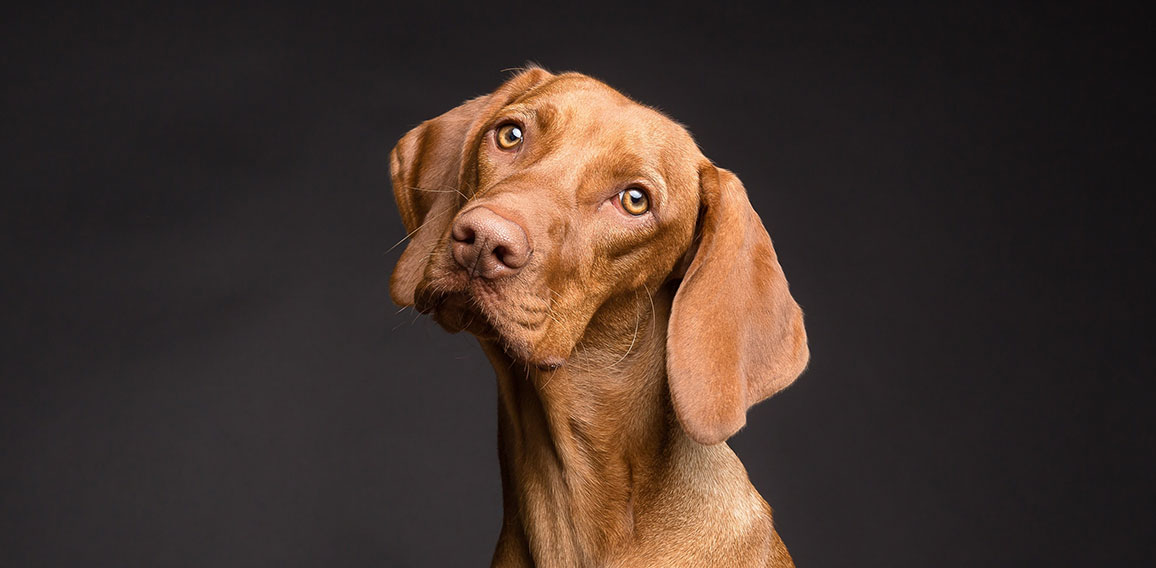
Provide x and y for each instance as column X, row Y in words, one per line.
column 628, row 349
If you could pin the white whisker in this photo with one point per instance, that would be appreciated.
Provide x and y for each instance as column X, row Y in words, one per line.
column 637, row 318
column 445, row 189
column 653, row 317
column 411, row 233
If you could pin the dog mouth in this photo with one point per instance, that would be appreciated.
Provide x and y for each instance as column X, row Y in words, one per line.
column 459, row 303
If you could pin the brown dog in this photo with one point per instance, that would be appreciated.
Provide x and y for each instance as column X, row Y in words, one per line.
column 632, row 305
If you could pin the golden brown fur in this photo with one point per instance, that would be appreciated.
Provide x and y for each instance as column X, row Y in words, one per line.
column 628, row 348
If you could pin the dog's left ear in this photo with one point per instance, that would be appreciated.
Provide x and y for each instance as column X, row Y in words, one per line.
column 433, row 167
column 736, row 335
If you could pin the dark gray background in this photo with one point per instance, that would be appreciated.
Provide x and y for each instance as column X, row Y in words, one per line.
column 201, row 366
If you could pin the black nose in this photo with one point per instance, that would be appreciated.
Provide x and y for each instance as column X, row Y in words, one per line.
column 489, row 245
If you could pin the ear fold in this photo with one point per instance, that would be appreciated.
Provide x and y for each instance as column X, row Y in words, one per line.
column 432, row 168
column 736, row 335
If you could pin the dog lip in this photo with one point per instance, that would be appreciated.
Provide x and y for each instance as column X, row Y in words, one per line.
column 475, row 305
column 432, row 295
column 516, row 338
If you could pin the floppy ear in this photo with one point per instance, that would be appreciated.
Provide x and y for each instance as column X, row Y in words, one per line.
column 433, row 168
column 735, row 335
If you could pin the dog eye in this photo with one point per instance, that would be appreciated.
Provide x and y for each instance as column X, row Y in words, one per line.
column 634, row 201
column 509, row 136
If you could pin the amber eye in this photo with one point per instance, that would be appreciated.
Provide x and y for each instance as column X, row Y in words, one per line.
column 509, row 136
column 634, row 201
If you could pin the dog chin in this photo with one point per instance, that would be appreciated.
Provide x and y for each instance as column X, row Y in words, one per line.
column 524, row 351
column 458, row 311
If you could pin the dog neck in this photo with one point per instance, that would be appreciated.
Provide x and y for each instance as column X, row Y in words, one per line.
column 593, row 459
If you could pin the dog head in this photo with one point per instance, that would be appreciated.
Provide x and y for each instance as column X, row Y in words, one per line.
column 537, row 208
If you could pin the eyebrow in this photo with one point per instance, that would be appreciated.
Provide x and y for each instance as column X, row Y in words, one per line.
column 627, row 164
column 626, row 167
column 546, row 116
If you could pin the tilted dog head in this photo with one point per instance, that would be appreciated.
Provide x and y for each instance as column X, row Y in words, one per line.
column 534, row 207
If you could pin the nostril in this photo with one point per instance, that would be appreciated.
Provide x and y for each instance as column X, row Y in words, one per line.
column 501, row 253
column 487, row 244
column 464, row 233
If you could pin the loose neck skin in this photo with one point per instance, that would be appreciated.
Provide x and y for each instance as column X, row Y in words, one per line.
column 595, row 468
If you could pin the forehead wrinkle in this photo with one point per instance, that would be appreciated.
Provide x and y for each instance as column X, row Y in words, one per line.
column 623, row 164
column 545, row 115
column 560, row 86
column 550, row 85
column 638, row 154
column 548, row 117
column 612, row 170
column 574, row 95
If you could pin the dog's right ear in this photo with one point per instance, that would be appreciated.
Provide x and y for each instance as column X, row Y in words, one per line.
column 432, row 168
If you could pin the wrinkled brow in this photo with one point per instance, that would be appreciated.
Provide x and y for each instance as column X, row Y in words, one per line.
column 621, row 164
column 548, row 117
column 625, row 167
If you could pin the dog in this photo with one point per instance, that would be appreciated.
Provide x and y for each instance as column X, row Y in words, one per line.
column 632, row 306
